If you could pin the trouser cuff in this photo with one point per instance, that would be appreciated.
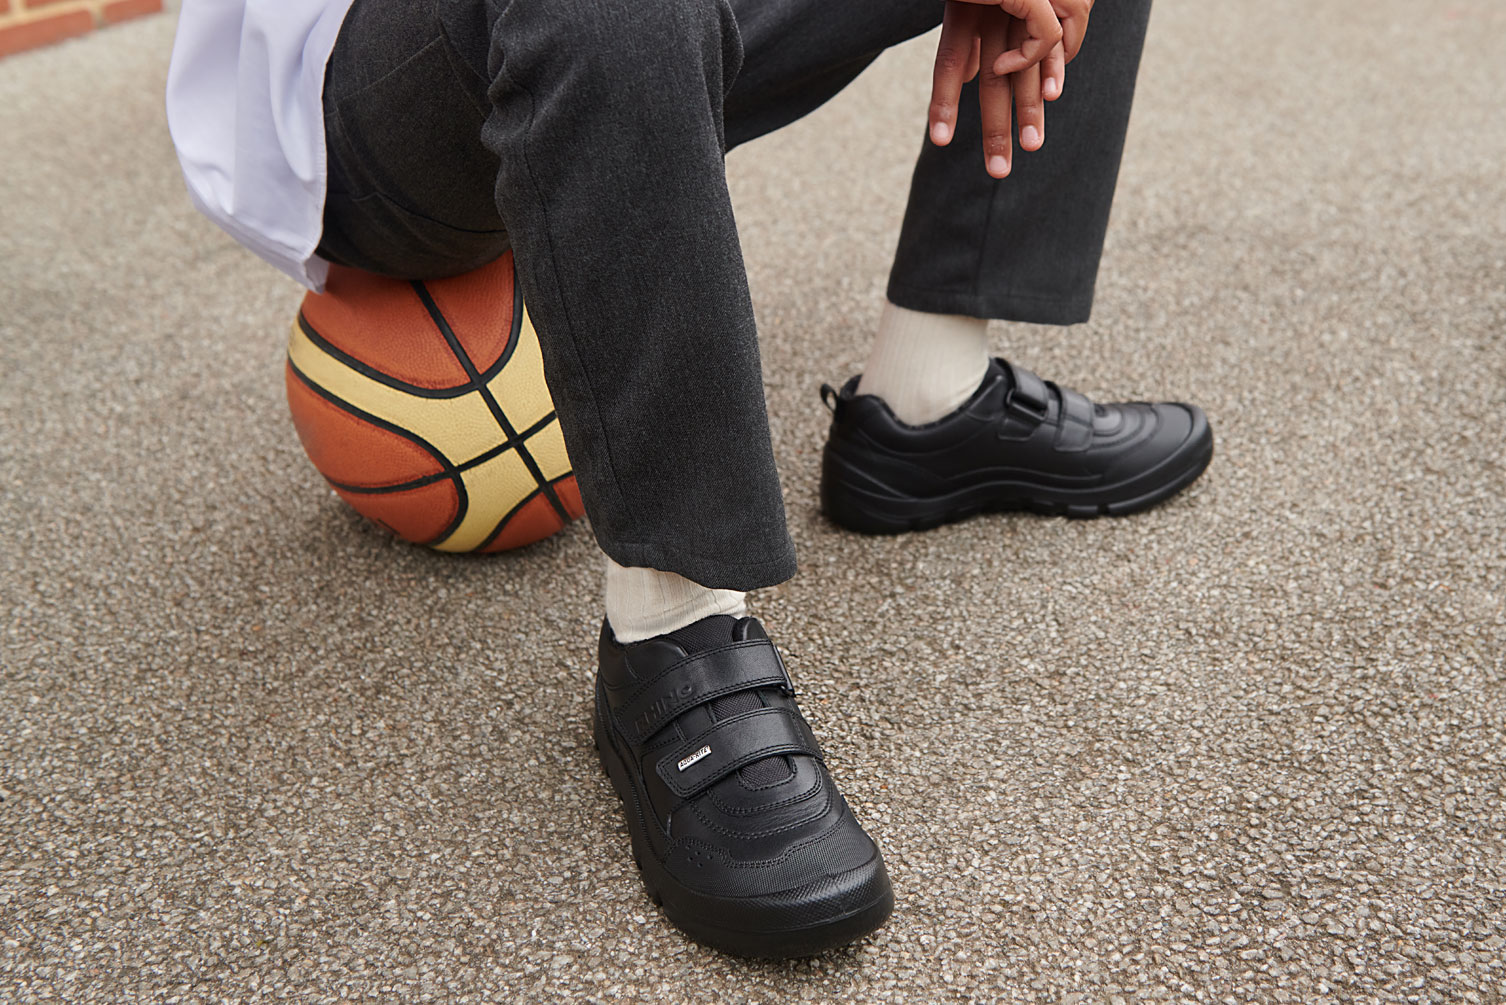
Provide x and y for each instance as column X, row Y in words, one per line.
column 1022, row 307
column 707, row 570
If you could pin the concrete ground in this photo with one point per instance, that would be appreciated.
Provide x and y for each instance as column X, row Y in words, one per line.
column 1247, row 747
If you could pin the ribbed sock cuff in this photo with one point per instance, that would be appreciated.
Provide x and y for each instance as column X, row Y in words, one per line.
column 642, row 603
column 925, row 366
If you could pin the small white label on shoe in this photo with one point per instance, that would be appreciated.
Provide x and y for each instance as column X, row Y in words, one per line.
column 688, row 761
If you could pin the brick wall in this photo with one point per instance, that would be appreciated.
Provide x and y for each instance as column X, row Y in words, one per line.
column 26, row 24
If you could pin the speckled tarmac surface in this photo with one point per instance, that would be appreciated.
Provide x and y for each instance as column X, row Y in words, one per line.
column 1247, row 747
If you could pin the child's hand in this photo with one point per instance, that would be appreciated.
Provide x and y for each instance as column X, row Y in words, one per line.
column 1022, row 48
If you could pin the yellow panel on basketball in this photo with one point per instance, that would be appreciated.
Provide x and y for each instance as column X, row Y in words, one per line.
column 460, row 428
column 401, row 434
column 520, row 387
column 494, row 488
column 547, row 447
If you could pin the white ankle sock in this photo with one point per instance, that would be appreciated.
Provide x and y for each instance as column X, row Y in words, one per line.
column 925, row 366
column 642, row 603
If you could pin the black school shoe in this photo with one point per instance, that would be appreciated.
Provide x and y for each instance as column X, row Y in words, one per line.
column 738, row 830
column 1018, row 443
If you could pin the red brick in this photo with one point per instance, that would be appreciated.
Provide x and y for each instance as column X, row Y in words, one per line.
column 38, row 4
column 46, row 31
column 120, row 10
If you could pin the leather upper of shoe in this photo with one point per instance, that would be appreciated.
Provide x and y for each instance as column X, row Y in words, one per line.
column 730, row 785
column 1015, row 424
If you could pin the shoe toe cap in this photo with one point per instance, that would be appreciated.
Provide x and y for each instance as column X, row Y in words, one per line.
column 814, row 894
column 1168, row 433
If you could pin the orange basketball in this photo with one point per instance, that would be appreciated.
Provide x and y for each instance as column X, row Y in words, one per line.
column 423, row 404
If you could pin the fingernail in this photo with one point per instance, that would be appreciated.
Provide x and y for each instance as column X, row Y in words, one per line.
column 940, row 133
column 1030, row 136
column 1049, row 87
column 998, row 166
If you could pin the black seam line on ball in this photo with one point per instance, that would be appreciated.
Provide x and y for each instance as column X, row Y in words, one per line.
column 507, row 519
column 515, row 334
column 450, row 471
column 474, row 462
column 367, row 370
column 502, row 524
column 486, row 394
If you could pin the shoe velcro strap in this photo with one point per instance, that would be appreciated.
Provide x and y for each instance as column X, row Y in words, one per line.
column 1028, row 395
column 1075, row 431
column 735, row 743
column 697, row 679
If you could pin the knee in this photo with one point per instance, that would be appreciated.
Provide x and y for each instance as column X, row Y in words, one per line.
column 622, row 45
column 623, row 32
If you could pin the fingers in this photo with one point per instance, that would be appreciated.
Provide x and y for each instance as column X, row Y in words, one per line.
column 1043, row 32
column 959, row 33
column 1073, row 15
column 1028, row 105
column 994, row 99
column 1019, row 50
column 1054, row 74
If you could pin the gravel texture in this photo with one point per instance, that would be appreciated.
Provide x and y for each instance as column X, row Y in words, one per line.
column 1247, row 747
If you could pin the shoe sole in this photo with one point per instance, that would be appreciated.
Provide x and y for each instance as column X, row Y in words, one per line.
column 668, row 893
column 855, row 500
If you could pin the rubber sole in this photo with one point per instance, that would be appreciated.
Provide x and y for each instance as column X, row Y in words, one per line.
column 855, row 500
column 668, row 893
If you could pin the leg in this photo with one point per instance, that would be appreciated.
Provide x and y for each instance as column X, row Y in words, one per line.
column 607, row 123
column 801, row 53
column 1025, row 248
column 610, row 112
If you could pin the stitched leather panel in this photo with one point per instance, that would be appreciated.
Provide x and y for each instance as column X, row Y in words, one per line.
column 695, row 680
column 731, row 744
column 1075, row 431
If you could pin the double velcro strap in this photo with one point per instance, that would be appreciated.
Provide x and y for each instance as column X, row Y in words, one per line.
column 695, row 680
column 1075, row 430
column 734, row 743
column 1028, row 396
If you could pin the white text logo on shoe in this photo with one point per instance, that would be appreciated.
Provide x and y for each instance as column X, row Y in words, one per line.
column 686, row 762
column 663, row 706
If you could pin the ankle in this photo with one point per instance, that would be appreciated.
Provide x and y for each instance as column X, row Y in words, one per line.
column 642, row 603
column 924, row 366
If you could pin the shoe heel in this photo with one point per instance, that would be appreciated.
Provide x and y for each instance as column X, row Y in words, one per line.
column 856, row 501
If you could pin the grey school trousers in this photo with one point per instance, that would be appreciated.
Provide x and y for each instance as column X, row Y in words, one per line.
column 589, row 136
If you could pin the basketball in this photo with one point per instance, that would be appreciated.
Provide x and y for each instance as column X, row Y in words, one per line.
column 424, row 407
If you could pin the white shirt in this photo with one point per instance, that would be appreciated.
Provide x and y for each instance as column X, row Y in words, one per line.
column 246, row 111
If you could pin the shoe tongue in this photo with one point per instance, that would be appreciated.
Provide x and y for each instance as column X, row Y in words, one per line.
column 708, row 633
column 718, row 630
